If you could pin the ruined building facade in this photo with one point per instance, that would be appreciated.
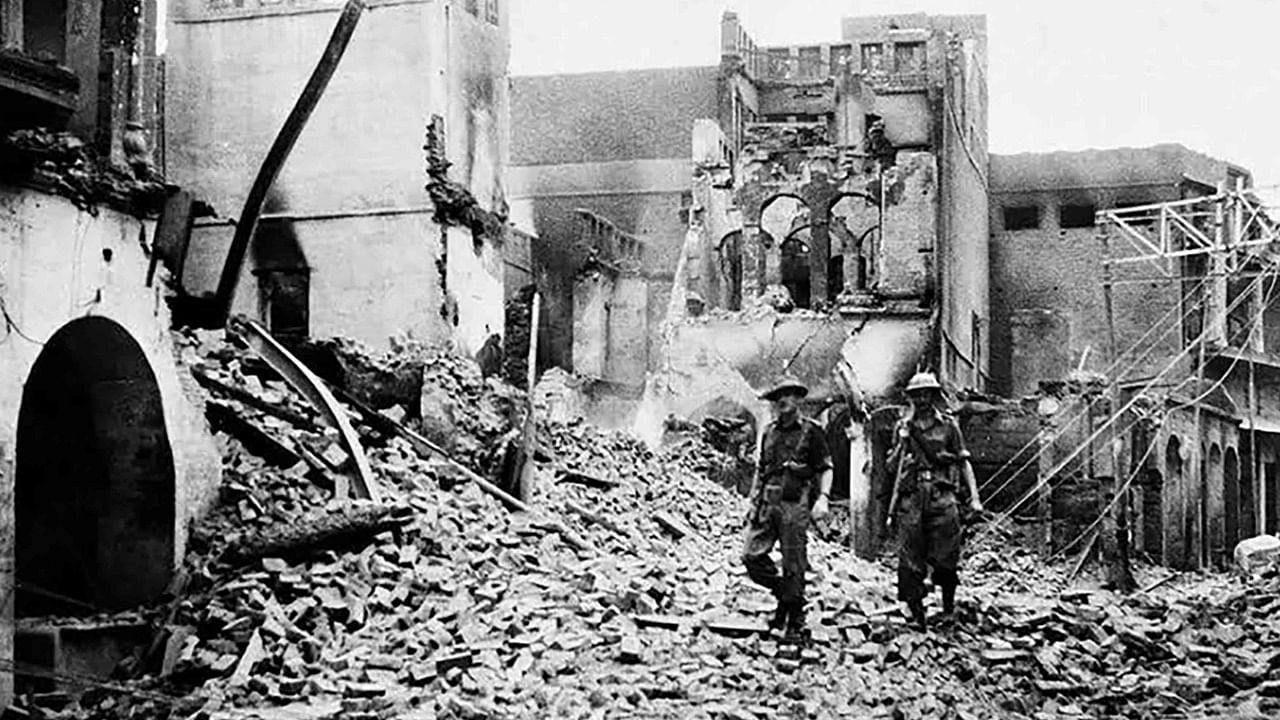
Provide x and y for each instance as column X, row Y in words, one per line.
column 810, row 205
column 401, row 166
column 105, row 456
column 784, row 155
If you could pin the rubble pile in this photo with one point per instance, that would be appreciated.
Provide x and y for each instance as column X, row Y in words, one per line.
column 66, row 165
column 437, row 392
column 439, row 603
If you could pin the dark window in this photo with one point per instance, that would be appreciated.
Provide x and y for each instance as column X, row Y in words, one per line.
column 1076, row 216
column 811, row 62
column 286, row 297
column 1022, row 218
column 491, row 11
column 473, row 7
column 841, row 56
column 872, row 58
column 44, row 29
column 909, row 58
column 795, row 271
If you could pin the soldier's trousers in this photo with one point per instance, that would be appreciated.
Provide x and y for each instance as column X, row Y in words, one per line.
column 786, row 524
column 929, row 539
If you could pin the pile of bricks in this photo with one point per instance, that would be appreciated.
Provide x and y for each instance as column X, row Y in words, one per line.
column 440, row 603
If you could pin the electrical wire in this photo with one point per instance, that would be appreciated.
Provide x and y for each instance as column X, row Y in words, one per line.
column 1052, row 437
column 1039, row 486
column 1190, row 403
column 1109, row 371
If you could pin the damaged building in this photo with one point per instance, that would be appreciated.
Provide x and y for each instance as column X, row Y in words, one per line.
column 416, row 185
column 1184, row 249
column 839, row 215
column 105, row 456
column 833, row 208
column 123, row 175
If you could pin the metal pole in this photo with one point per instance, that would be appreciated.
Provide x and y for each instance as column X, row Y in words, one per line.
column 276, row 157
column 1115, row 544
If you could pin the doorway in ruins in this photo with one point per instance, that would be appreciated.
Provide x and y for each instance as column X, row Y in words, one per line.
column 94, row 477
column 1231, row 499
column 1173, row 552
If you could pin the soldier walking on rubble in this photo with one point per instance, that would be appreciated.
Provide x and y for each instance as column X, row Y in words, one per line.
column 930, row 457
column 791, row 486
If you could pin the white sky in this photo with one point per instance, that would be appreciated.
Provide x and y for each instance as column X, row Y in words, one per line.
column 1064, row 75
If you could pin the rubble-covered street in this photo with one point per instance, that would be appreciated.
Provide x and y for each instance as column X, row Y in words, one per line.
column 444, row 360
column 441, row 603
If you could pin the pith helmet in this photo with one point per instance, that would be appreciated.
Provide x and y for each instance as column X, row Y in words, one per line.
column 923, row 381
column 785, row 386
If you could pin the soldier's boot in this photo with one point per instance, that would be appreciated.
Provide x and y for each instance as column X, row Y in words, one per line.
column 949, row 600
column 917, row 614
column 779, row 620
column 797, row 631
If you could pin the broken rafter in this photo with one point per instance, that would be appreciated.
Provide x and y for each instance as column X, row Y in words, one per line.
column 211, row 383
column 312, row 388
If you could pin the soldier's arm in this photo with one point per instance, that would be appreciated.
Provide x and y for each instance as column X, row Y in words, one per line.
column 966, row 467
column 898, row 455
column 756, row 475
column 822, row 463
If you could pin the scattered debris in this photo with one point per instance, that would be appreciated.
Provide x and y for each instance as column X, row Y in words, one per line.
column 444, row 603
column 65, row 165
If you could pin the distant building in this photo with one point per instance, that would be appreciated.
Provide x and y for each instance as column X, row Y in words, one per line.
column 614, row 144
column 1205, row 473
column 617, row 144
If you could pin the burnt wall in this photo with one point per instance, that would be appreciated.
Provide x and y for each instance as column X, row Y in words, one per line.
column 1056, row 272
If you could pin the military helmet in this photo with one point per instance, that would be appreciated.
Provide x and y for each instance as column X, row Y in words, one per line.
column 785, row 386
column 923, row 381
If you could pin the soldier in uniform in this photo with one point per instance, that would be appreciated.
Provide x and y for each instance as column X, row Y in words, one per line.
column 791, row 486
column 932, row 468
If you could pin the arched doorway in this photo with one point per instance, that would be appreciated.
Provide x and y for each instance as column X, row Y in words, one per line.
column 94, row 485
column 1175, row 544
column 1231, row 499
column 795, row 268
column 780, row 217
column 1211, row 529
column 730, row 254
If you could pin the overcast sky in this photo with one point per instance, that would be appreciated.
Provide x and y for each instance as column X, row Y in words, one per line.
column 1063, row 75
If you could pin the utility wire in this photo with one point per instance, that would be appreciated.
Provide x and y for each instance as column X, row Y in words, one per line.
column 1194, row 401
column 1110, row 372
column 1039, row 486
column 1053, row 436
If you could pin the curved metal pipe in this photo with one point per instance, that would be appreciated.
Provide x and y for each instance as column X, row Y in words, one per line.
column 277, row 155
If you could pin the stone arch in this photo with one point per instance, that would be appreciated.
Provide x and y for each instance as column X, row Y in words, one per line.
column 778, row 215
column 94, row 480
column 1231, row 497
column 794, row 266
column 1174, row 544
column 857, row 227
column 1212, row 532
column 729, row 253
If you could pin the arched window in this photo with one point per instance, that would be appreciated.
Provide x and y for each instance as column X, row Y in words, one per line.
column 730, row 254
column 795, row 267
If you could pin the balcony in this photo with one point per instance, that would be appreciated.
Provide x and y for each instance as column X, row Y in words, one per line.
column 779, row 136
column 35, row 93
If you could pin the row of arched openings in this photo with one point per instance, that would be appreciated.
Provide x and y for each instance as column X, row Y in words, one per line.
column 786, row 223
column 1206, row 535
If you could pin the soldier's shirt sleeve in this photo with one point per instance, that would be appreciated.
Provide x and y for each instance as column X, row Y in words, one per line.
column 819, row 451
column 955, row 441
